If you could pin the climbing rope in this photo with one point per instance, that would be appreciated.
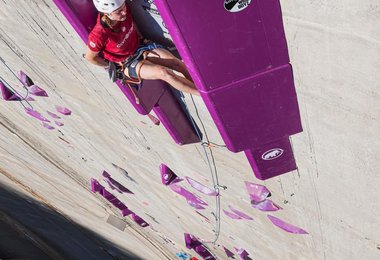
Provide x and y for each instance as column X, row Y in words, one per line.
column 212, row 166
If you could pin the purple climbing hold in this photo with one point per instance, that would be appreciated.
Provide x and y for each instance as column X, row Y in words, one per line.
column 201, row 188
column 37, row 91
column 168, row 177
column 266, row 205
column 35, row 114
column 8, row 94
column 231, row 215
column 59, row 123
column 25, row 79
column 193, row 243
column 53, row 115
column 257, row 192
column 187, row 194
column 195, row 204
column 96, row 186
column 239, row 213
column 47, row 126
column 286, row 226
column 154, row 119
column 229, row 253
column 63, row 110
column 242, row 253
column 139, row 220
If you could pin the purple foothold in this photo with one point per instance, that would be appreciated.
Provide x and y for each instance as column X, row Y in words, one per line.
column 229, row 253
column 59, row 123
column 239, row 213
column 7, row 94
column 231, row 215
column 286, row 226
column 266, row 205
column 37, row 91
column 139, row 220
column 53, row 115
column 242, row 253
column 35, row 114
column 257, row 192
column 195, row 205
column 96, row 186
column 126, row 212
column 47, row 126
column 187, row 194
column 168, row 177
column 154, row 119
column 63, row 110
column 25, row 79
column 200, row 187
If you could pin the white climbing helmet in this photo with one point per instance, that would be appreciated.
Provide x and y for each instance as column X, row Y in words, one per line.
column 108, row 6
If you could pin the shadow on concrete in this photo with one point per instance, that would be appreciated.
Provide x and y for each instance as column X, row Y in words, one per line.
column 31, row 230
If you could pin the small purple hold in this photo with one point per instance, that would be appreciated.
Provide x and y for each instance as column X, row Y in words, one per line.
column 63, row 110
column 286, row 226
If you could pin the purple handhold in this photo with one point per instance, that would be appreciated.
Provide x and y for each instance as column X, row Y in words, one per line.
column 35, row 114
column 115, row 184
column 286, row 226
column 187, row 194
column 25, row 79
column 37, row 91
column 195, row 204
column 59, row 123
column 242, row 253
column 257, row 192
column 231, row 215
column 96, row 186
column 239, row 213
column 47, row 126
column 7, row 94
column 139, row 220
column 63, row 110
column 229, row 253
column 266, row 205
column 168, row 177
column 53, row 115
column 154, row 119
column 200, row 187
column 193, row 243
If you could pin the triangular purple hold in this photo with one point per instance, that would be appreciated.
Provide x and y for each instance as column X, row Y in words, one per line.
column 229, row 253
column 139, row 220
column 154, row 119
column 257, row 192
column 231, row 215
column 266, row 205
column 35, row 114
column 37, row 91
column 8, row 94
column 168, row 176
column 25, row 79
column 192, row 242
column 59, row 123
column 195, row 204
column 286, row 226
column 47, row 126
column 63, row 110
column 242, row 253
column 200, row 187
column 96, row 186
column 239, row 213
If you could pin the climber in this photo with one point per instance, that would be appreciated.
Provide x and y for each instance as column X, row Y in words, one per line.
column 127, row 55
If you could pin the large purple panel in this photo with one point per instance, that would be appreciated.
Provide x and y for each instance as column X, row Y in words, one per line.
column 221, row 46
column 272, row 159
column 257, row 110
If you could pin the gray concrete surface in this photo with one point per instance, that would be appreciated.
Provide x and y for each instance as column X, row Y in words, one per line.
column 335, row 52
